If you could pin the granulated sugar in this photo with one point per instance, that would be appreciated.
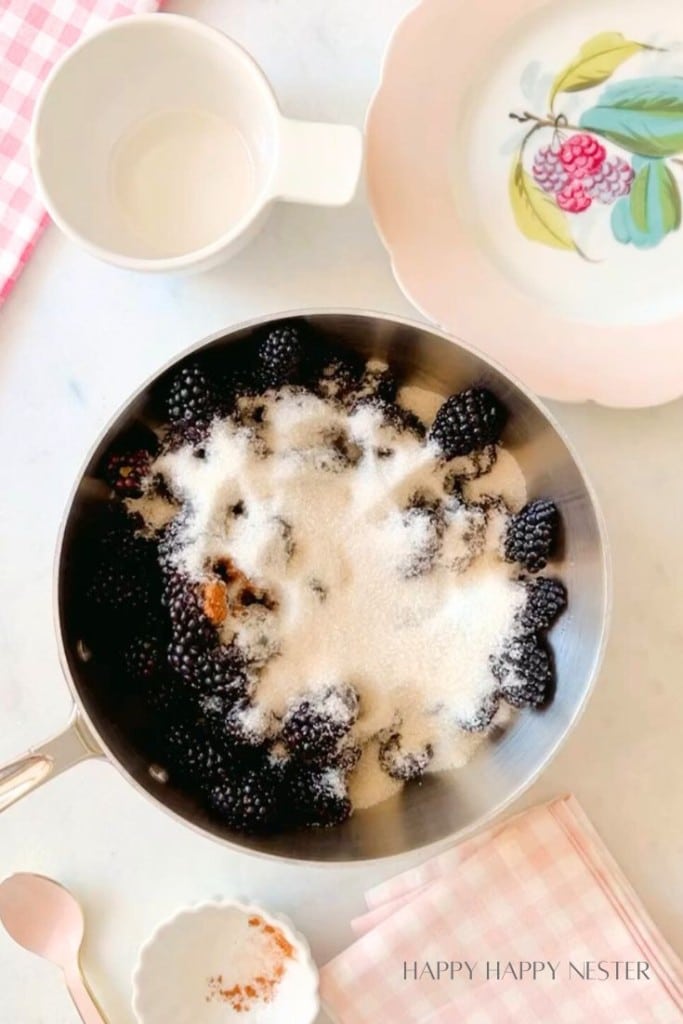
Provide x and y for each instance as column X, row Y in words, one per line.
column 422, row 402
column 378, row 572
column 369, row 784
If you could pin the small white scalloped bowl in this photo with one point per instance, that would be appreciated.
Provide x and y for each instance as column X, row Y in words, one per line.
column 172, row 980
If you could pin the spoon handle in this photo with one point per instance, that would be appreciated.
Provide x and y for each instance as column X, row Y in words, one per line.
column 88, row 1009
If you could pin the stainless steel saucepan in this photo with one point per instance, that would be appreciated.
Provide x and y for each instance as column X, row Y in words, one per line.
column 445, row 805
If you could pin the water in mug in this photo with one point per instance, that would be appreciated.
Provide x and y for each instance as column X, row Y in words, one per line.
column 182, row 178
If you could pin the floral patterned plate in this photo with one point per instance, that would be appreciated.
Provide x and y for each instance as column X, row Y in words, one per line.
column 525, row 168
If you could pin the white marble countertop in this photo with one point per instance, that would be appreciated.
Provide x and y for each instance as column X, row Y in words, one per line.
column 75, row 338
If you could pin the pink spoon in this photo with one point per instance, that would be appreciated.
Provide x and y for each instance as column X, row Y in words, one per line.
column 44, row 918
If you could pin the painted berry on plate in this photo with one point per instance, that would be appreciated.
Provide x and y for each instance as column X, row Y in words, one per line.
column 621, row 153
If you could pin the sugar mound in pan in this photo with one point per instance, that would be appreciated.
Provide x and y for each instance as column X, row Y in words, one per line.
column 382, row 564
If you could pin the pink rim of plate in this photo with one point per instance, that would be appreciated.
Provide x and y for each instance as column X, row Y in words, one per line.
column 434, row 55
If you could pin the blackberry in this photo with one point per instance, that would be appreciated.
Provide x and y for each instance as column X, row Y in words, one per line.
column 335, row 375
column 244, row 725
column 183, row 655
column 425, row 502
column 468, row 422
column 280, row 355
column 218, row 673
column 122, row 573
column 170, row 540
column 345, row 451
column 118, row 537
column 277, row 764
column 546, row 599
column 213, row 707
column 126, row 472
column 144, row 658
column 190, row 754
column 114, row 590
column 246, row 800
column 531, row 535
column 482, row 717
column 470, row 467
column 126, row 585
column 377, row 383
column 250, row 411
column 164, row 695
column 395, row 416
column 319, row 799
column 404, row 765
column 240, row 382
column 181, row 434
column 192, row 632
column 427, row 507
column 312, row 730
column 425, row 524
column 524, row 671
column 385, row 385
column 192, row 398
column 348, row 756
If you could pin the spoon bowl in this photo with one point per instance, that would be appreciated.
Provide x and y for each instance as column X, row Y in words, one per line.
column 43, row 917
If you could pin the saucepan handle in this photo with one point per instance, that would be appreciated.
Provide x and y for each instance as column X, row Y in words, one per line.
column 26, row 773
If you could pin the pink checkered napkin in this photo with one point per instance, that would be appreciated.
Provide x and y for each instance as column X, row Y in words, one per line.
column 33, row 35
column 540, row 886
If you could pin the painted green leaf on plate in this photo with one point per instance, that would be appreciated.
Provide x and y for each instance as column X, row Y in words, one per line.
column 538, row 216
column 643, row 116
column 652, row 210
column 595, row 62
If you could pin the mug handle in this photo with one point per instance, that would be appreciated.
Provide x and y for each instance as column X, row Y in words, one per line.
column 318, row 163
column 76, row 743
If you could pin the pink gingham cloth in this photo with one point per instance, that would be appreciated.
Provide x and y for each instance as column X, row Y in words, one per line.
column 541, row 886
column 33, row 36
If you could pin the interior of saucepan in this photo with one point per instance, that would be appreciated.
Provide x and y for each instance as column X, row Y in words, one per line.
column 155, row 138
column 444, row 804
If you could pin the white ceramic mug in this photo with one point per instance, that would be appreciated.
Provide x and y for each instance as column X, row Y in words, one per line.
column 158, row 145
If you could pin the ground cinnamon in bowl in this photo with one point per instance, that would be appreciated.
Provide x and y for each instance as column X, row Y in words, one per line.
column 276, row 950
column 226, row 962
